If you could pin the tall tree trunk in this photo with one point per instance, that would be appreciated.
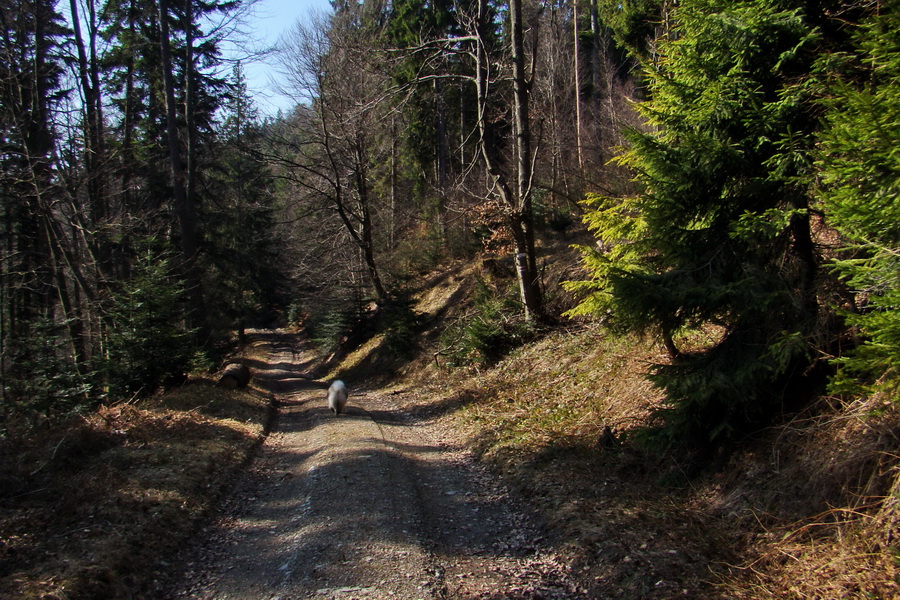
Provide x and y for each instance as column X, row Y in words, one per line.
column 190, row 94
column 94, row 159
column 38, row 144
column 596, row 82
column 576, row 67
column 184, row 208
column 517, row 199
column 522, row 218
column 441, row 134
column 128, row 123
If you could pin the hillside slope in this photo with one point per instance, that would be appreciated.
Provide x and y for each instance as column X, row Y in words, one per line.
column 807, row 508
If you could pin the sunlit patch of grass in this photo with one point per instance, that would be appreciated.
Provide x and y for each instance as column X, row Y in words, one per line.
column 567, row 388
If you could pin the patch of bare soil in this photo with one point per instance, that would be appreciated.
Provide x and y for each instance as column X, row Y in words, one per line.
column 380, row 502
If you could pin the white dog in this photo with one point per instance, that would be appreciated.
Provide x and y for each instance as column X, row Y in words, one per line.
column 337, row 396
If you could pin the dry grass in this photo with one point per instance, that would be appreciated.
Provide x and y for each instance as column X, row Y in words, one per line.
column 569, row 386
column 807, row 509
column 825, row 501
column 92, row 508
column 557, row 418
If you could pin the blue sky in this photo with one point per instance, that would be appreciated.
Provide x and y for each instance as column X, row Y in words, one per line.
column 272, row 18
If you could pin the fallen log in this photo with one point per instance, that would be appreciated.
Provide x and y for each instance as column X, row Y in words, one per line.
column 235, row 375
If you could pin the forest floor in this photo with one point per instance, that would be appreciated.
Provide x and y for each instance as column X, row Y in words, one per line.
column 520, row 481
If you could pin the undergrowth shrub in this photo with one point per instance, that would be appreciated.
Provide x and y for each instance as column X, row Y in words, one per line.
column 331, row 319
column 45, row 380
column 415, row 255
column 400, row 324
column 492, row 329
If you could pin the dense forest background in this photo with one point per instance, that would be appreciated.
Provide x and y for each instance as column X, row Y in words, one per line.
column 736, row 165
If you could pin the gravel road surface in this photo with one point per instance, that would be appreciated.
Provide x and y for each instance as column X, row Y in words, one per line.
column 380, row 502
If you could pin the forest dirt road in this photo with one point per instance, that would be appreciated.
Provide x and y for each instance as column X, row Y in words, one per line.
column 377, row 503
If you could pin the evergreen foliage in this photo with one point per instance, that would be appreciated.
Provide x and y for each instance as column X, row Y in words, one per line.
column 492, row 329
column 329, row 324
column 432, row 119
column 619, row 228
column 721, row 237
column 243, row 273
column 400, row 324
column 46, row 379
column 632, row 22
column 148, row 342
column 860, row 174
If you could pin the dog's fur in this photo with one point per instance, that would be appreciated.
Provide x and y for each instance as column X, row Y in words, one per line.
column 337, row 396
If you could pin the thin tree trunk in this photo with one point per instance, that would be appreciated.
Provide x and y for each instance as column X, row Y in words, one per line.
column 94, row 155
column 482, row 89
column 596, row 81
column 441, row 131
column 129, row 118
column 357, row 223
column 517, row 200
column 364, row 237
column 521, row 219
column 189, row 104
column 392, row 223
column 579, row 140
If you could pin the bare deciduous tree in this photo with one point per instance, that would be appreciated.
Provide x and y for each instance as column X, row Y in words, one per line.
column 515, row 189
column 329, row 154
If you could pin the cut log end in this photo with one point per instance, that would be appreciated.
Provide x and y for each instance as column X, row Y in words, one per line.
column 235, row 375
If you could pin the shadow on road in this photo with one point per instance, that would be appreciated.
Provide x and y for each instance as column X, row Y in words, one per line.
column 374, row 501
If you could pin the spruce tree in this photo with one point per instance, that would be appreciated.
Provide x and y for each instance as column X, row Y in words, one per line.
column 432, row 105
column 720, row 239
column 33, row 287
column 860, row 173
column 242, row 269
column 148, row 343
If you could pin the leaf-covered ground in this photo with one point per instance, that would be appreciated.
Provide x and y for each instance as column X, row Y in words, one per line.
column 94, row 508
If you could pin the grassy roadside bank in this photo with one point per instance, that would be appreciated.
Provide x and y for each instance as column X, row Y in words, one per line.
column 805, row 509
column 92, row 508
